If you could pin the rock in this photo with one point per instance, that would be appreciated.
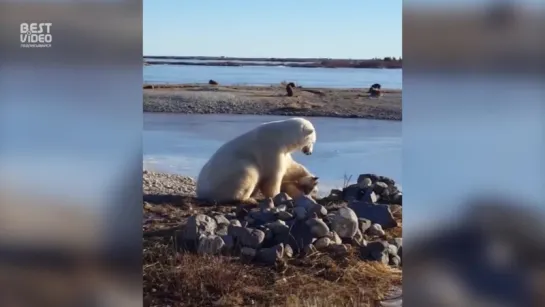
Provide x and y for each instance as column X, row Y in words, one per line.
column 221, row 220
column 222, row 230
column 210, row 245
column 235, row 223
column 340, row 249
column 351, row 192
column 335, row 194
column 271, row 254
column 358, row 239
column 398, row 242
column 372, row 177
column 247, row 237
column 389, row 181
column 267, row 203
column 284, row 216
column 365, row 183
column 345, row 223
column 212, row 82
column 396, row 199
column 305, row 201
column 281, row 199
column 261, row 217
column 247, row 254
column 241, row 211
column 229, row 242
column 377, row 250
column 376, row 230
column 392, row 250
column 282, row 208
column 322, row 243
column 317, row 227
column 335, row 239
column 395, row 261
column 288, row 251
column 369, row 196
column 300, row 213
column 299, row 236
column 381, row 188
column 198, row 225
column 278, row 227
column 317, row 209
column 364, row 224
column 378, row 214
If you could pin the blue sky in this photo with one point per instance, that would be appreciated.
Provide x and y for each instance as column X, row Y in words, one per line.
column 282, row 28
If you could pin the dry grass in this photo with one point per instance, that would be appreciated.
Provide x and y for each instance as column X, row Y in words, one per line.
column 185, row 279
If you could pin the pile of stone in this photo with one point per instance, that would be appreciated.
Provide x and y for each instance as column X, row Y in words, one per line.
column 282, row 227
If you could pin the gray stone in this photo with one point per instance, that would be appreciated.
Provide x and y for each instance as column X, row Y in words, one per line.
column 322, row 243
column 376, row 230
column 396, row 199
column 281, row 199
column 369, row 196
column 197, row 225
column 358, row 239
column 282, row 208
column 379, row 214
column 345, row 223
column 392, row 250
column 247, row 253
column 284, row 216
column 222, row 230
column 317, row 209
column 381, row 257
column 235, row 223
column 309, row 249
column 381, row 188
column 288, row 251
column 267, row 203
column 398, row 242
column 271, row 254
column 247, row 237
column 372, row 177
column 365, row 183
column 261, row 217
column 300, row 213
column 317, row 227
column 374, row 248
column 335, row 239
column 278, row 227
column 338, row 249
column 305, row 201
column 335, row 194
column 395, row 261
column 352, row 192
column 221, row 220
column 364, row 224
column 210, row 245
column 229, row 242
column 299, row 236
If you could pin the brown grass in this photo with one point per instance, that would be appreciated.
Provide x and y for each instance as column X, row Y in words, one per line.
column 185, row 279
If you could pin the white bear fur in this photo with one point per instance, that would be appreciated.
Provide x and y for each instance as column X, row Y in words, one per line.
column 255, row 161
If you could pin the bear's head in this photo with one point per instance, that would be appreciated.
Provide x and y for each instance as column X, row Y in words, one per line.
column 308, row 136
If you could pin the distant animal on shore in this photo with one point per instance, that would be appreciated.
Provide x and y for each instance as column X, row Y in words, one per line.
column 256, row 161
column 375, row 90
column 289, row 89
column 212, row 82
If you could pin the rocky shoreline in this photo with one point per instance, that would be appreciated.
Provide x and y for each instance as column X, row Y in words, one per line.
column 357, row 230
column 271, row 100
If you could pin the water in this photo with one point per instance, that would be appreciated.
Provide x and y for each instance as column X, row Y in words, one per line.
column 182, row 143
column 267, row 75
column 230, row 61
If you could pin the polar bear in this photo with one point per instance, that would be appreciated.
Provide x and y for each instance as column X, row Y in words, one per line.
column 298, row 180
column 255, row 161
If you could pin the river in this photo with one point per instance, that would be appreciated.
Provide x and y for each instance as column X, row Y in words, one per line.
column 182, row 143
column 267, row 75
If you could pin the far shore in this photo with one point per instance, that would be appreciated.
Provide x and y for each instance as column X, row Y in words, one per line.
column 385, row 63
column 271, row 100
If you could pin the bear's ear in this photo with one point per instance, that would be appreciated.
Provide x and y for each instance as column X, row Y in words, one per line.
column 307, row 131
